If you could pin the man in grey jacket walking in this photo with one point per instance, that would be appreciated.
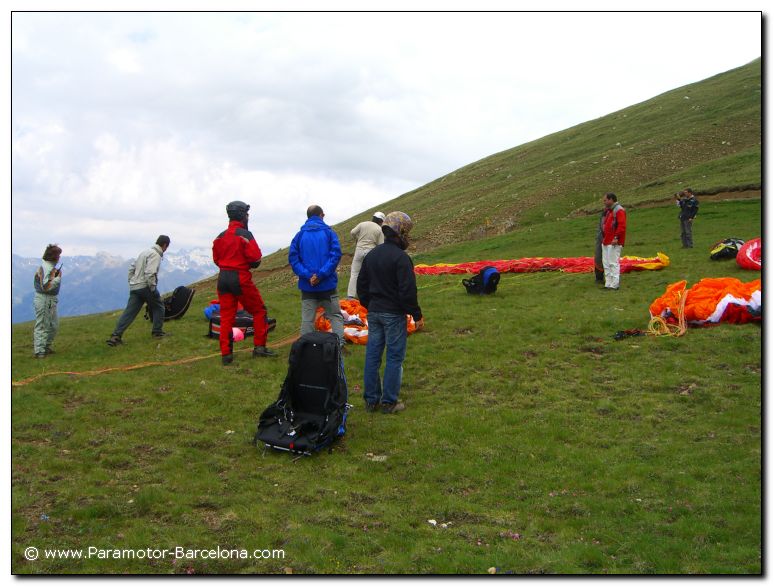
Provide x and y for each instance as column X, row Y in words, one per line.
column 143, row 289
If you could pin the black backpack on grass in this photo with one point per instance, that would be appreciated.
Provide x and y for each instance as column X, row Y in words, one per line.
column 176, row 304
column 483, row 282
column 311, row 411
column 726, row 249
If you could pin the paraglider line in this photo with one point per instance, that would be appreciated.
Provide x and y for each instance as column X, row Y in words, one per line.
column 280, row 343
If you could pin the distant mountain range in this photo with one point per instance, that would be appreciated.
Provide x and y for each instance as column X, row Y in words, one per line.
column 92, row 284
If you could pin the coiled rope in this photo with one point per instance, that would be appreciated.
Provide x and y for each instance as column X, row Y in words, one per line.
column 660, row 327
column 280, row 343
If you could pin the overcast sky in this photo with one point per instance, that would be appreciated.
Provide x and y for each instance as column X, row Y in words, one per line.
column 128, row 125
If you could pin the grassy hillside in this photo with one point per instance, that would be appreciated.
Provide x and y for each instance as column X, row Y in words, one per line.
column 705, row 135
column 536, row 442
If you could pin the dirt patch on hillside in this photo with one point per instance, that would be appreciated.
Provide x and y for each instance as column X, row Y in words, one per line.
column 719, row 197
column 723, row 196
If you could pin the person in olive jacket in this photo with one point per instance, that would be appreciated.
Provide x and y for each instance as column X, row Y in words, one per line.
column 47, row 281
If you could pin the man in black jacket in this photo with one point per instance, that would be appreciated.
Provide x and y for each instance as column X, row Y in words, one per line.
column 689, row 208
column 387, row 287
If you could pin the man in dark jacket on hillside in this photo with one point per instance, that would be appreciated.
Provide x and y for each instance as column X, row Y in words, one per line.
column 689, row 208
column 387, row 287
column 235, row 252
column 314, row 256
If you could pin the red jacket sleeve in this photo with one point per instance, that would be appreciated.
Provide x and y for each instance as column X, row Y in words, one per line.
column 215, row 253
column 621, row 228
column 252, row 253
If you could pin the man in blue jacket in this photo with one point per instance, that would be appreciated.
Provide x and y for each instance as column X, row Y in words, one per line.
column 314, row 256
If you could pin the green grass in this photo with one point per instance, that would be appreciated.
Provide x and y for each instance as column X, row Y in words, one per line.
column 544, row 445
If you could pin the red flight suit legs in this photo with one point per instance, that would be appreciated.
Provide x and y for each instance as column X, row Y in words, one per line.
column 252, row 302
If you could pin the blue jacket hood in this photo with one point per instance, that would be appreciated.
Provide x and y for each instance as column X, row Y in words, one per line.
column 315, row 223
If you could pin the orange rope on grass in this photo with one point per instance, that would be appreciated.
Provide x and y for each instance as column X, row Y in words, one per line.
column 280, row 343
column 660, row 327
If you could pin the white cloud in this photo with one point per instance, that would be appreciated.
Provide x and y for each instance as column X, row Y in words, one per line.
column 125, row 61
column 131, row 194
column 151, row 122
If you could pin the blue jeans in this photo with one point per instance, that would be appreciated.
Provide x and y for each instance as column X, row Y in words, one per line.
column 390, row 330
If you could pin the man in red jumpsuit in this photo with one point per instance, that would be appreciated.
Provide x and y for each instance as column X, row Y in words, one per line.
column 235, row 252
column 613, row 237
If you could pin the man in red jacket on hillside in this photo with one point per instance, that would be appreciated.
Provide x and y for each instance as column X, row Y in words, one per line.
column 235, row 252
column 613, row 237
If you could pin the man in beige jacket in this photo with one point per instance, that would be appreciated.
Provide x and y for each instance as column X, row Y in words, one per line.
column 367, row 234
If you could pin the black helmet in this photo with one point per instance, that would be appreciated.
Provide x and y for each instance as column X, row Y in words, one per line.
column 237, row 210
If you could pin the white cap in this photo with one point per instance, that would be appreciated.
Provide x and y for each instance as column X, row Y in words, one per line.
column 379, row 215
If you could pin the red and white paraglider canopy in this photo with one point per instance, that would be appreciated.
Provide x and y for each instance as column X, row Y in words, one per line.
column 749, row 256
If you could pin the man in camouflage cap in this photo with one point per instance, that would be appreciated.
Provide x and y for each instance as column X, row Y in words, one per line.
column 387, row 287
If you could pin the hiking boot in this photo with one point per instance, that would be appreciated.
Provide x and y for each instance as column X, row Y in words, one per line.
column 160, row 334
column 262, row 351
column 227, row 360
column 393, row 408
column 371, row 407
column 114, row 340
column 40, row 355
